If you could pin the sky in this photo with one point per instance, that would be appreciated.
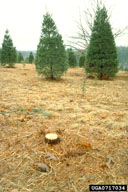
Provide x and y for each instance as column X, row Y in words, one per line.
column 23, row 19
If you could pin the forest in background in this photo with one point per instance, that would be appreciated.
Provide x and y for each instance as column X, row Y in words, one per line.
column 122, row 56
column 26, row 53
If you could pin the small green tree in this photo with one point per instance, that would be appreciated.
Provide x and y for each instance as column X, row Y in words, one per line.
column 82, row 60
column 20, row 57
column 51, row 57
column 30, row 58
column 71, row 58
column 8, row 52
column 101, row 58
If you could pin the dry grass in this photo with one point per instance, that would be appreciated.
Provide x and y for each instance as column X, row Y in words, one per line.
column 93, row 126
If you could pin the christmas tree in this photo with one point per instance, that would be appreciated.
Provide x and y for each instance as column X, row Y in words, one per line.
column 8, row 52
column 51, row 58
column 101, row 58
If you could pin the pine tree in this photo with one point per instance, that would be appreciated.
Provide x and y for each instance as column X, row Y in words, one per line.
column 51, row 57
column 20, row 57
column 8, row 53
column 82, row 60
column 14, row 56
column 101, row 59
column 31, row 58
column 71, row 58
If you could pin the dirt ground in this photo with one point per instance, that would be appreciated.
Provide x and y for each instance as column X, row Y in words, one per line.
column 91, row 121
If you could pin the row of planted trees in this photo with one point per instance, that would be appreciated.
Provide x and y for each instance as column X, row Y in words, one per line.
column 8, row 54
column 76, row 58
column 101, row 59
column 21, row 59
column 53, row 60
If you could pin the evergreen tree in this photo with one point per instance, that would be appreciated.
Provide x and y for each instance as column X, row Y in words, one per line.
column 14, row 56
column 101, row 59
column 51, row 57
column 71, row 58
column 8, row 53
column 20, row 57
column 31, row 57
column 82, row 60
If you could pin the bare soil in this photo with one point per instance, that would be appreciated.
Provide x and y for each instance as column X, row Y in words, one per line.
column 91, row 121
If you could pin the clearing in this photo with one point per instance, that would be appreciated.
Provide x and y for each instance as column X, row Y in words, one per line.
column 92, row 125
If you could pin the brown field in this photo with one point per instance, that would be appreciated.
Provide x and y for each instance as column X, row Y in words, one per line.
column 92, row 126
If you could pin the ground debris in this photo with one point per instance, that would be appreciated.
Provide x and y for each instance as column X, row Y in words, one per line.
column 74, row 154
column 41, row 167
column 107, row 164
column 50, row 156
column 110, row 160
column 85, row 144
